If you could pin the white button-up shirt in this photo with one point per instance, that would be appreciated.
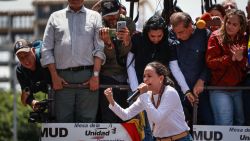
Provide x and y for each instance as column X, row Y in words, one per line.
column 71, row 39
column 169, row 118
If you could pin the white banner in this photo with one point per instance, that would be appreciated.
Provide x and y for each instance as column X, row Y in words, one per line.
column 221, row 133
column 84, row 132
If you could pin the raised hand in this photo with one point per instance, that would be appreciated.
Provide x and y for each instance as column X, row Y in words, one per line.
column 109, row 95
column 237, row 52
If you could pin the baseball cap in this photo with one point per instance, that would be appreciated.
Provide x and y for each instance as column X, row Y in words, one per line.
column 22, row 45
column 110, row 7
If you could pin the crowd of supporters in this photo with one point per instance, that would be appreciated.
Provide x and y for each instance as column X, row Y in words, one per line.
column 83, row 46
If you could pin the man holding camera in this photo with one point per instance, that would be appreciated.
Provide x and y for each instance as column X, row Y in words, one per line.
column 116, row 35
column 30, row 74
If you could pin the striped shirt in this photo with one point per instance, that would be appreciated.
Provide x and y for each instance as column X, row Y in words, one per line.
column 71, row 39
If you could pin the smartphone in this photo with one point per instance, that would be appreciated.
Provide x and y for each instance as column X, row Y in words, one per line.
column 121, row 25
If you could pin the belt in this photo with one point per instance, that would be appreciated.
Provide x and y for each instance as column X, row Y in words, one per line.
column 174, row 137
column 77, row 68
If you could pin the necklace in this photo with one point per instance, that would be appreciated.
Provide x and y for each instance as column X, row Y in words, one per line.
column 158, row 102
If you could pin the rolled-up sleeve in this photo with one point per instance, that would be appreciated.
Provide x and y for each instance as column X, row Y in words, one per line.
column 47, row 51
column 98, row 43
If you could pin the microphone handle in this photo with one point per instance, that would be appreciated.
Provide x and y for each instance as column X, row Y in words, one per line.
column 133, row 96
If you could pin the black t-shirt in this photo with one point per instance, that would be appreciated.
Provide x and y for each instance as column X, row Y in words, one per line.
column 145, row 52
column 36, row 81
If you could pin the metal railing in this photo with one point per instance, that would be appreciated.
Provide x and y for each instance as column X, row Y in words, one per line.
column 195, row 106
column 121, row 87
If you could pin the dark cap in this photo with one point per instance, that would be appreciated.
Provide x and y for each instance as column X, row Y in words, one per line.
column 110, row 7
column 22, row 45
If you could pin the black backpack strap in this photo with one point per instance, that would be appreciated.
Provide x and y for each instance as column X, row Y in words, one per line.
column 130, row 63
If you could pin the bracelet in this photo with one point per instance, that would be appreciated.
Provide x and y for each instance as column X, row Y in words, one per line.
column 188, row 91
column 96, row 73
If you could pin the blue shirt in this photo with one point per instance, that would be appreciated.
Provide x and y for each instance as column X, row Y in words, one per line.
column 191, row 55
column 71, row 39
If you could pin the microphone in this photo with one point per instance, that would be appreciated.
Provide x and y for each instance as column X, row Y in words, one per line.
column 134, row 95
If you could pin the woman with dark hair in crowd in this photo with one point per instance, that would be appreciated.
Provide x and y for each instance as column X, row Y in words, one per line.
column 217, row 10
column 161, row 102
column 153, row 45
column 227, row 59
column 217, row 13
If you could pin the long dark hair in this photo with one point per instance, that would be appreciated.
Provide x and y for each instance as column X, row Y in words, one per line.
column 154, row 23
column 160, row 69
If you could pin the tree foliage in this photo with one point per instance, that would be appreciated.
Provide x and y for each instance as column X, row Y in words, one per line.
column 26, row 131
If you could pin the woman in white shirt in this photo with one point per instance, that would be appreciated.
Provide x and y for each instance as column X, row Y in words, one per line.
column 161, row 102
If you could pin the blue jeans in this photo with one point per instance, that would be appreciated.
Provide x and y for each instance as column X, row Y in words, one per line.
column 227, row 107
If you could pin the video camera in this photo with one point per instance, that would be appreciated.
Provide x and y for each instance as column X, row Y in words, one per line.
column 45, row 111
column 41, row 114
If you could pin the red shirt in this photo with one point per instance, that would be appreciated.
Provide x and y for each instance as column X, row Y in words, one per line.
column 225, row 71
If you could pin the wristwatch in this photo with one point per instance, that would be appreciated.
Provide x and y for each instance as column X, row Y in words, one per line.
column 96, row 73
